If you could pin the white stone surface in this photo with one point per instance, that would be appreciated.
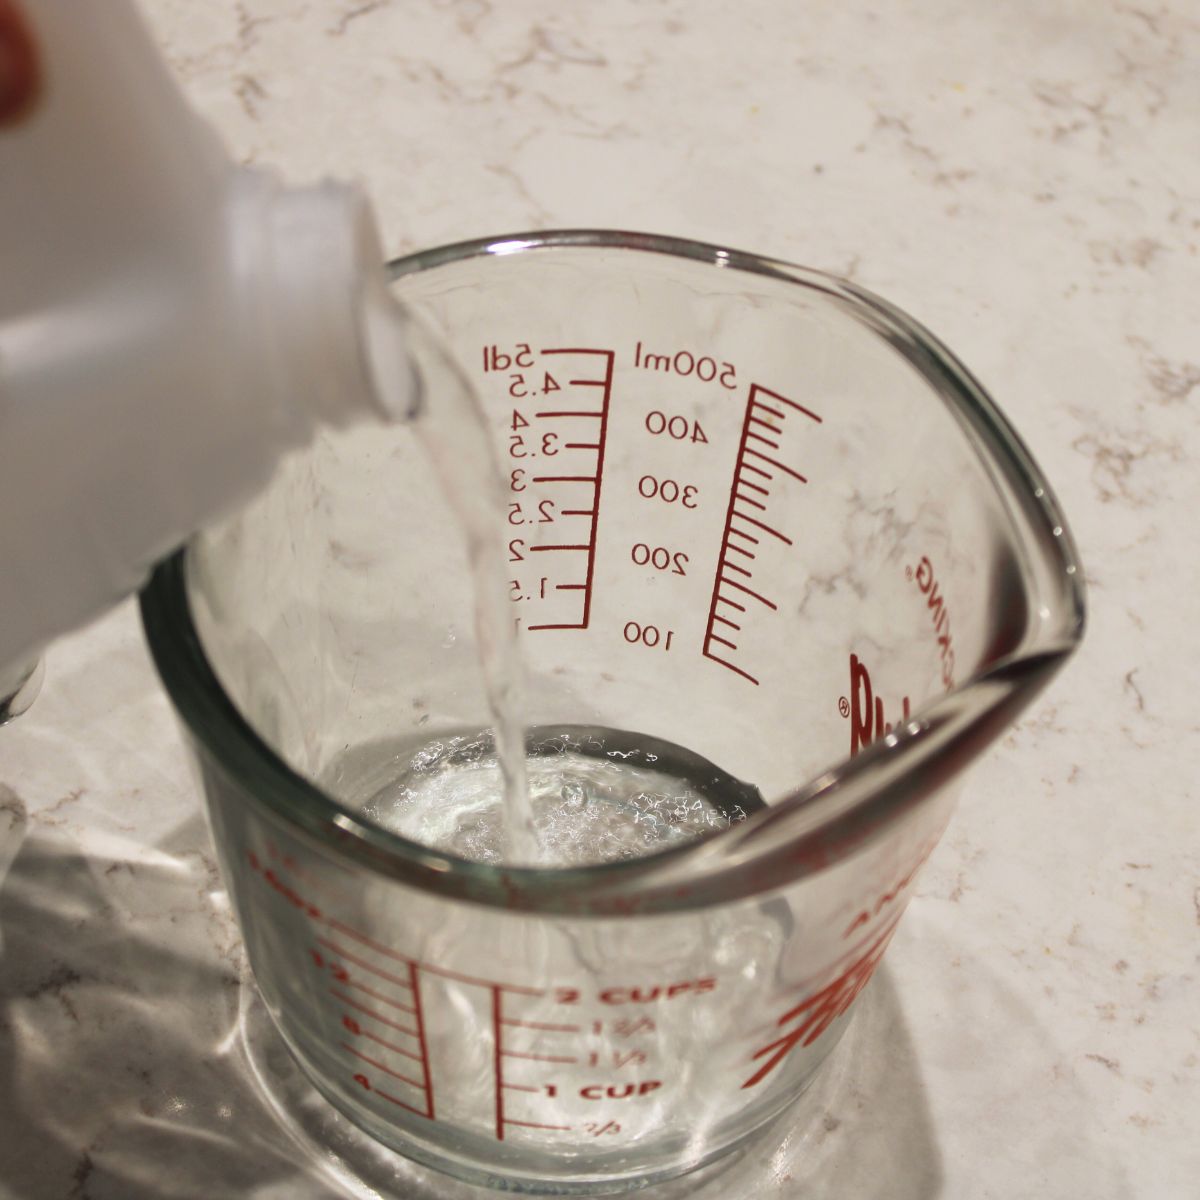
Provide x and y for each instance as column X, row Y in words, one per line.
column 1024, row 178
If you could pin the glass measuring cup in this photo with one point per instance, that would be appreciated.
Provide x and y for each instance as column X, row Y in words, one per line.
column 762, row 528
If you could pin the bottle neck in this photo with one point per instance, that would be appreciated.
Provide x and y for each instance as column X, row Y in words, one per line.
column 310, row 263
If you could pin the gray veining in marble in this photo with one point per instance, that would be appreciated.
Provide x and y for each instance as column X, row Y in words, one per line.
column 1023, row 177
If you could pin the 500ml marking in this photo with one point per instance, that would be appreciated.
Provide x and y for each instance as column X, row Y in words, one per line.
column 703, row 367
column 769, row 421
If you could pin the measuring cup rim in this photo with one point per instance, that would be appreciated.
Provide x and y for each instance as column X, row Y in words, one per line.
column 926, row 353
column 657, row 882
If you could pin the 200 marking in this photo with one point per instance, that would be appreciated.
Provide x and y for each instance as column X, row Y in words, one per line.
column 659, row 557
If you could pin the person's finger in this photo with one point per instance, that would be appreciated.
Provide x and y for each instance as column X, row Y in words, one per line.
column 19, row 76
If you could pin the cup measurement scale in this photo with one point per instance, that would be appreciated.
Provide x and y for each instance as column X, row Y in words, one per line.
column 698, row 464
column 559, row 1059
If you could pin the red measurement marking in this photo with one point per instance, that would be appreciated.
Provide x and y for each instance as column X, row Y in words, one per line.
column 421, row 1039
column 400, row 1103
column 822, row 1008
column 370, row 1012
column 545, row 1025
column 765, row 424
column 554, row 1058
column 345, row 954
column 381, row 1066
column 320, row 886
column 889, row 895
column 390, row 1046
column 736, row 518
column 500, row 1052
column 749, row 520
column 412, row 986
column 497, row 1053
column 749, row 591
column 591, row 512
column 429, row 968
column 362, row 987
column 749, row 500
column 781, row 466
column 758, row 437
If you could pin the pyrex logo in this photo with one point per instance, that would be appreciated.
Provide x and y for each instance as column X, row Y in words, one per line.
column 865, row 709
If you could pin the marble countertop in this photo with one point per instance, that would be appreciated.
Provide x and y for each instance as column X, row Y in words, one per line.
column 1024, row 178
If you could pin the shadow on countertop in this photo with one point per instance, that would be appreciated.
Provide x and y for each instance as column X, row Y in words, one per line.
column 125, row 1074
column 119, row 999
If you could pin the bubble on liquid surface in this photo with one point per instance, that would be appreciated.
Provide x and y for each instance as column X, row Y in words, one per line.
column 590, row 804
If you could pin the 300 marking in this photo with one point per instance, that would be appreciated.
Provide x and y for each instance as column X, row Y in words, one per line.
column 668, row 490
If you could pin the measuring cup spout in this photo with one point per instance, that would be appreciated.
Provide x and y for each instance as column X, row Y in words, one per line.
column 850, row 806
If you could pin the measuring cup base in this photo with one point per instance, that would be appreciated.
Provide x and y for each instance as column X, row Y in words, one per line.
column 375, row 1160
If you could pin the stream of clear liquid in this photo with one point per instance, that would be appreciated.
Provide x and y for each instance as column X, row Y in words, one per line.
column 593, row 801
column 454, row 434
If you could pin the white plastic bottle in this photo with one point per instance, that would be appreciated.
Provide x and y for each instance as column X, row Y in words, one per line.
column 170, row 324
